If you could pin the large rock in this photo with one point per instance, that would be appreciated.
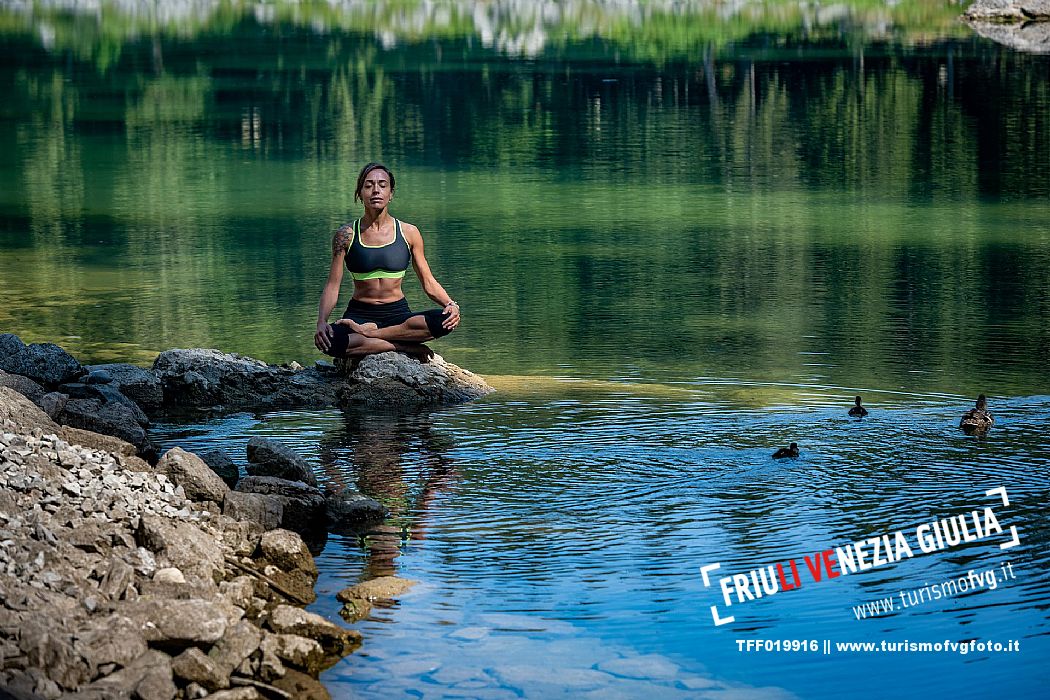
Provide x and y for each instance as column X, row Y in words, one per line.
column 44, row 363
column 194, row 666
column 138, row 384
column 222, row 464
column 381, row 588
column 298, row 652
column 393, row 381
column 1029, row 37
column 109, row 419
column 302, row 505
column 203, row 378
column 209, row 379
column 240, row 641
column 178, row 623
column 96, row 441
column 191, row 473
column 181, row 545
column 345, row 508
column 1009, row 10
column 10, row 344
column 23, row 413
column 270, row 458
column 112, row 640
column 263, row 509
column 105, row 394
column 287, row 551
column 148, row 677
column 335, row 640
column 23, row 385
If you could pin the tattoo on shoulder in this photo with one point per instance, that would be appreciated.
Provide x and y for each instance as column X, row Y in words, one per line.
column 342, row 239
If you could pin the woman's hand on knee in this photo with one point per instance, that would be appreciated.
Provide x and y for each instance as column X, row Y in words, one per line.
column 323, row 336
column 451, row 320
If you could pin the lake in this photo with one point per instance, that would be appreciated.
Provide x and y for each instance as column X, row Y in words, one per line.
column 683, row 235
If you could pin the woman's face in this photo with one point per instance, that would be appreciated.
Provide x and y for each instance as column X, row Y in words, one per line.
column 375, row 191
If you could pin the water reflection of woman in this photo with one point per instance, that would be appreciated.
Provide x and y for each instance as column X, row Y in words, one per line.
column 380, row 444
column 377, row 249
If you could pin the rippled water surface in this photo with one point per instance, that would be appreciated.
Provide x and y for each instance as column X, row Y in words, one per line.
column 558, row 540
column 683, row 234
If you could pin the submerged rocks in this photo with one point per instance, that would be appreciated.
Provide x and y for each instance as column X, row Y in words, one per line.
column 270, row 458
column 357, row 600
column 393, row 381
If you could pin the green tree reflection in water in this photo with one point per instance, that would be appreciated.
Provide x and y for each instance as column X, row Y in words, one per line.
column 874, row 196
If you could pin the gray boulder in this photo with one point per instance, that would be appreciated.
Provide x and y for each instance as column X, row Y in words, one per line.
column 346, row 509
column 287, row 551
column 209, row 379
column 394, row 381
column 1009, row 10
column 10, row 344
column 23, row 413
column 52, row 403
column 181, row 545
column 191, row 473
column 138, row 384
column 148, row 677
column 45, row 363
column 112, row 640
column 175, row 623
column 23, row 385
column 263, row 509
column 1028, row 37
column 105, row 393
column 203, row 378
column 109, row 419
column 221, row 464
column 302, row 505
column 270, row 458
column 335, row 640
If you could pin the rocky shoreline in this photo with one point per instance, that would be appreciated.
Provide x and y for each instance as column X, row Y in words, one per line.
column 116, row 583
column 127, row 573
column 1022, row 25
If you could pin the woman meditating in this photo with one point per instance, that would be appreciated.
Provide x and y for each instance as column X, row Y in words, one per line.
column 377, row 249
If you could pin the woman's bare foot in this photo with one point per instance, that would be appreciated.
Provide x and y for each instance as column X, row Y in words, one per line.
column 364, row 329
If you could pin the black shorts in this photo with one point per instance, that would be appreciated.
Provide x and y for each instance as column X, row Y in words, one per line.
column 383, row 315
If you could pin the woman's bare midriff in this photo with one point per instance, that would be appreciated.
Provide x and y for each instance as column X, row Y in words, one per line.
column 378, row 291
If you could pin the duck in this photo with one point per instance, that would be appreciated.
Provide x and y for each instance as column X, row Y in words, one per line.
column 977, row 419
column 790, row 452
column 858, row 411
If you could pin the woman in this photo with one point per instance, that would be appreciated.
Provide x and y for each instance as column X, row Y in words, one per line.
column 377, row 249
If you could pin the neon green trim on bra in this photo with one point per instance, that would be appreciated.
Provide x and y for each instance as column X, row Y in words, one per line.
column 377, row 274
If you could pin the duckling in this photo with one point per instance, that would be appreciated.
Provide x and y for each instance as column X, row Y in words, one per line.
column 787, row 452
column 858, row 411
column 977, row 419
